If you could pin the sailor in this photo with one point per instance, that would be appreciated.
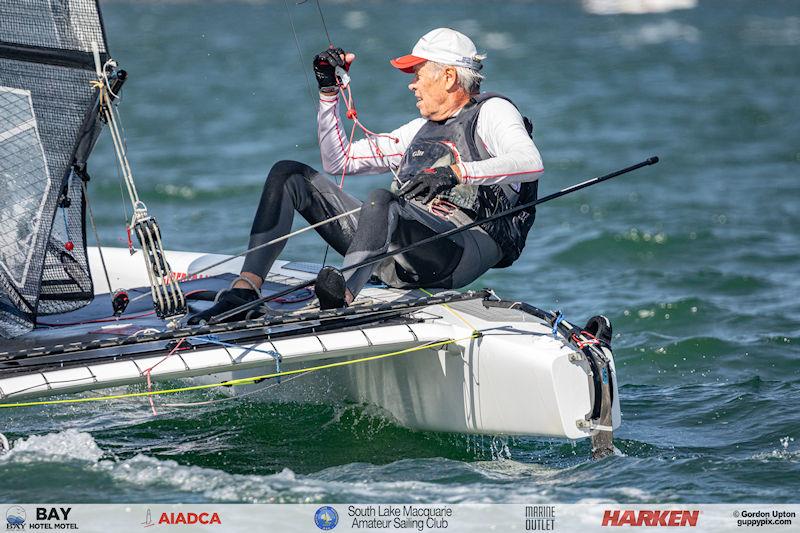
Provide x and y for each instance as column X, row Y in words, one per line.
column 468, row 156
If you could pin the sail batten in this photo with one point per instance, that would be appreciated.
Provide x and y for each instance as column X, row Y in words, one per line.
column 49, row 56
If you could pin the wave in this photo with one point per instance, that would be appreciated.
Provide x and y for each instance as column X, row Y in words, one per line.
column 76, row 455
column 634, row 244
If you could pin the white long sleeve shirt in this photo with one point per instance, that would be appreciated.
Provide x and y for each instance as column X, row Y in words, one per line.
column 514, row 156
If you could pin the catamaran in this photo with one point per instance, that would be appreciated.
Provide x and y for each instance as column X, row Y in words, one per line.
column 77, row 318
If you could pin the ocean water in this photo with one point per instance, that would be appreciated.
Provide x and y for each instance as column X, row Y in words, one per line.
column 695, row 260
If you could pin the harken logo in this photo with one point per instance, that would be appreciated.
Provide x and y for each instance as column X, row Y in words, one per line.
column 651, row 518
column 172, row 519
column 15, row 518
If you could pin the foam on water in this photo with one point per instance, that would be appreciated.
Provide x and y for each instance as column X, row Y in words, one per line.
column 68, row 445
column 783, row 452
column 150, row 475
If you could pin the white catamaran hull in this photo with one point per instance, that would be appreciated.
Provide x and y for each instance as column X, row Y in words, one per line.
column 515, row 378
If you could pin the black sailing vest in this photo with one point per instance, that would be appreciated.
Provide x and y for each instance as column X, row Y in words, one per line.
column 442, row 143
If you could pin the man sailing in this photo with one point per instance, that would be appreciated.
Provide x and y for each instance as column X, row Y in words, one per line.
column 470, row 155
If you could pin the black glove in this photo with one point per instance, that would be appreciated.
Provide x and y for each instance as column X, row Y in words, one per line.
column 325, row 64
column 429, row 183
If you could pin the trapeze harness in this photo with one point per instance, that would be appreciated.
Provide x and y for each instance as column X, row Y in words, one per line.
column 442, row 143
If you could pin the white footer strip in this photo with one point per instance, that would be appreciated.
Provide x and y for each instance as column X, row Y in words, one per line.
column 405, row 518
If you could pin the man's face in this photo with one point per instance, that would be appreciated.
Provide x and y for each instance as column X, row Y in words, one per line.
column 430, row 87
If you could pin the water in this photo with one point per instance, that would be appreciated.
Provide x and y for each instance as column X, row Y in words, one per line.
column 694, row 260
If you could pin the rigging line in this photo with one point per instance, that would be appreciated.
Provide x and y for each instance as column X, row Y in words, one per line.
column 119, row 148
column 341, row 185
column 245, row 381
column 324, row 26
column 115, row 101
column 314, row 102
column 119, row 141
column 96, row 235
column 147, row 372
column 127, row 218
column 275, row 241
column 368, row 134
column 239, row 395
column 322, row 17
column 453, row 312
column 119, row 121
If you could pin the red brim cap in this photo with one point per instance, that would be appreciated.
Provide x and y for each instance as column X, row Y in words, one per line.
column 407, row 63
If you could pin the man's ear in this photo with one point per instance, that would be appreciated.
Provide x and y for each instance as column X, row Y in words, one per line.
column 451, row 78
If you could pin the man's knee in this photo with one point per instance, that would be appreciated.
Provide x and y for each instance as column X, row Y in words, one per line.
column 288, row 178
column 380, row 199
column 282, row 171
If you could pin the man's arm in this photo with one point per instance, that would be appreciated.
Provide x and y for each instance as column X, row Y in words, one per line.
column 515, row 157
column 372, row 155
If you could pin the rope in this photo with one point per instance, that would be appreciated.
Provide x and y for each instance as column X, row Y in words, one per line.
column 352, row 114
column 454, row 313
column 107, row 106
column 324, row 26
column 149, row 370
column 168, row 298
column 238, row 396
column 556, row 322
column 96, row 236
column 276, row 240
column 241, row 381
column 585, row 339
column 213, row 339
column 300, row 55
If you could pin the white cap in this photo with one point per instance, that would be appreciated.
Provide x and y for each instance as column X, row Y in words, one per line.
column 442, row 45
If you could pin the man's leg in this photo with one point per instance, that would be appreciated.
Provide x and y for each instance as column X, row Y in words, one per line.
column 290, row 187
column 387, row 223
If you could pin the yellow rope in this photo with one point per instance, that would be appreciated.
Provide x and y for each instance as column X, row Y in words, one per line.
column 455, row 313
column 101, row 88
column 241, row 381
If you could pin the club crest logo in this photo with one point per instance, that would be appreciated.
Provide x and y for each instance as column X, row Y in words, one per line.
column 326, row 518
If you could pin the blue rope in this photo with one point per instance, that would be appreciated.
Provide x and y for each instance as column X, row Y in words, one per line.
column 559, row 318
column 213, row 339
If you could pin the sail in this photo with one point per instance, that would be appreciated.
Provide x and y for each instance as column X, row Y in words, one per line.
column 48, row 125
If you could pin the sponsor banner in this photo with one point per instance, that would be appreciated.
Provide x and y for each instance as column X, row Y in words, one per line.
column 399, row 517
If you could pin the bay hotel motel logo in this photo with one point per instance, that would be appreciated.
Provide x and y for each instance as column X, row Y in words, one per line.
column 15, row 518
column 46, row 518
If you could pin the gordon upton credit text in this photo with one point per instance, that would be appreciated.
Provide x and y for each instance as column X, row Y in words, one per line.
column 399, row 517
